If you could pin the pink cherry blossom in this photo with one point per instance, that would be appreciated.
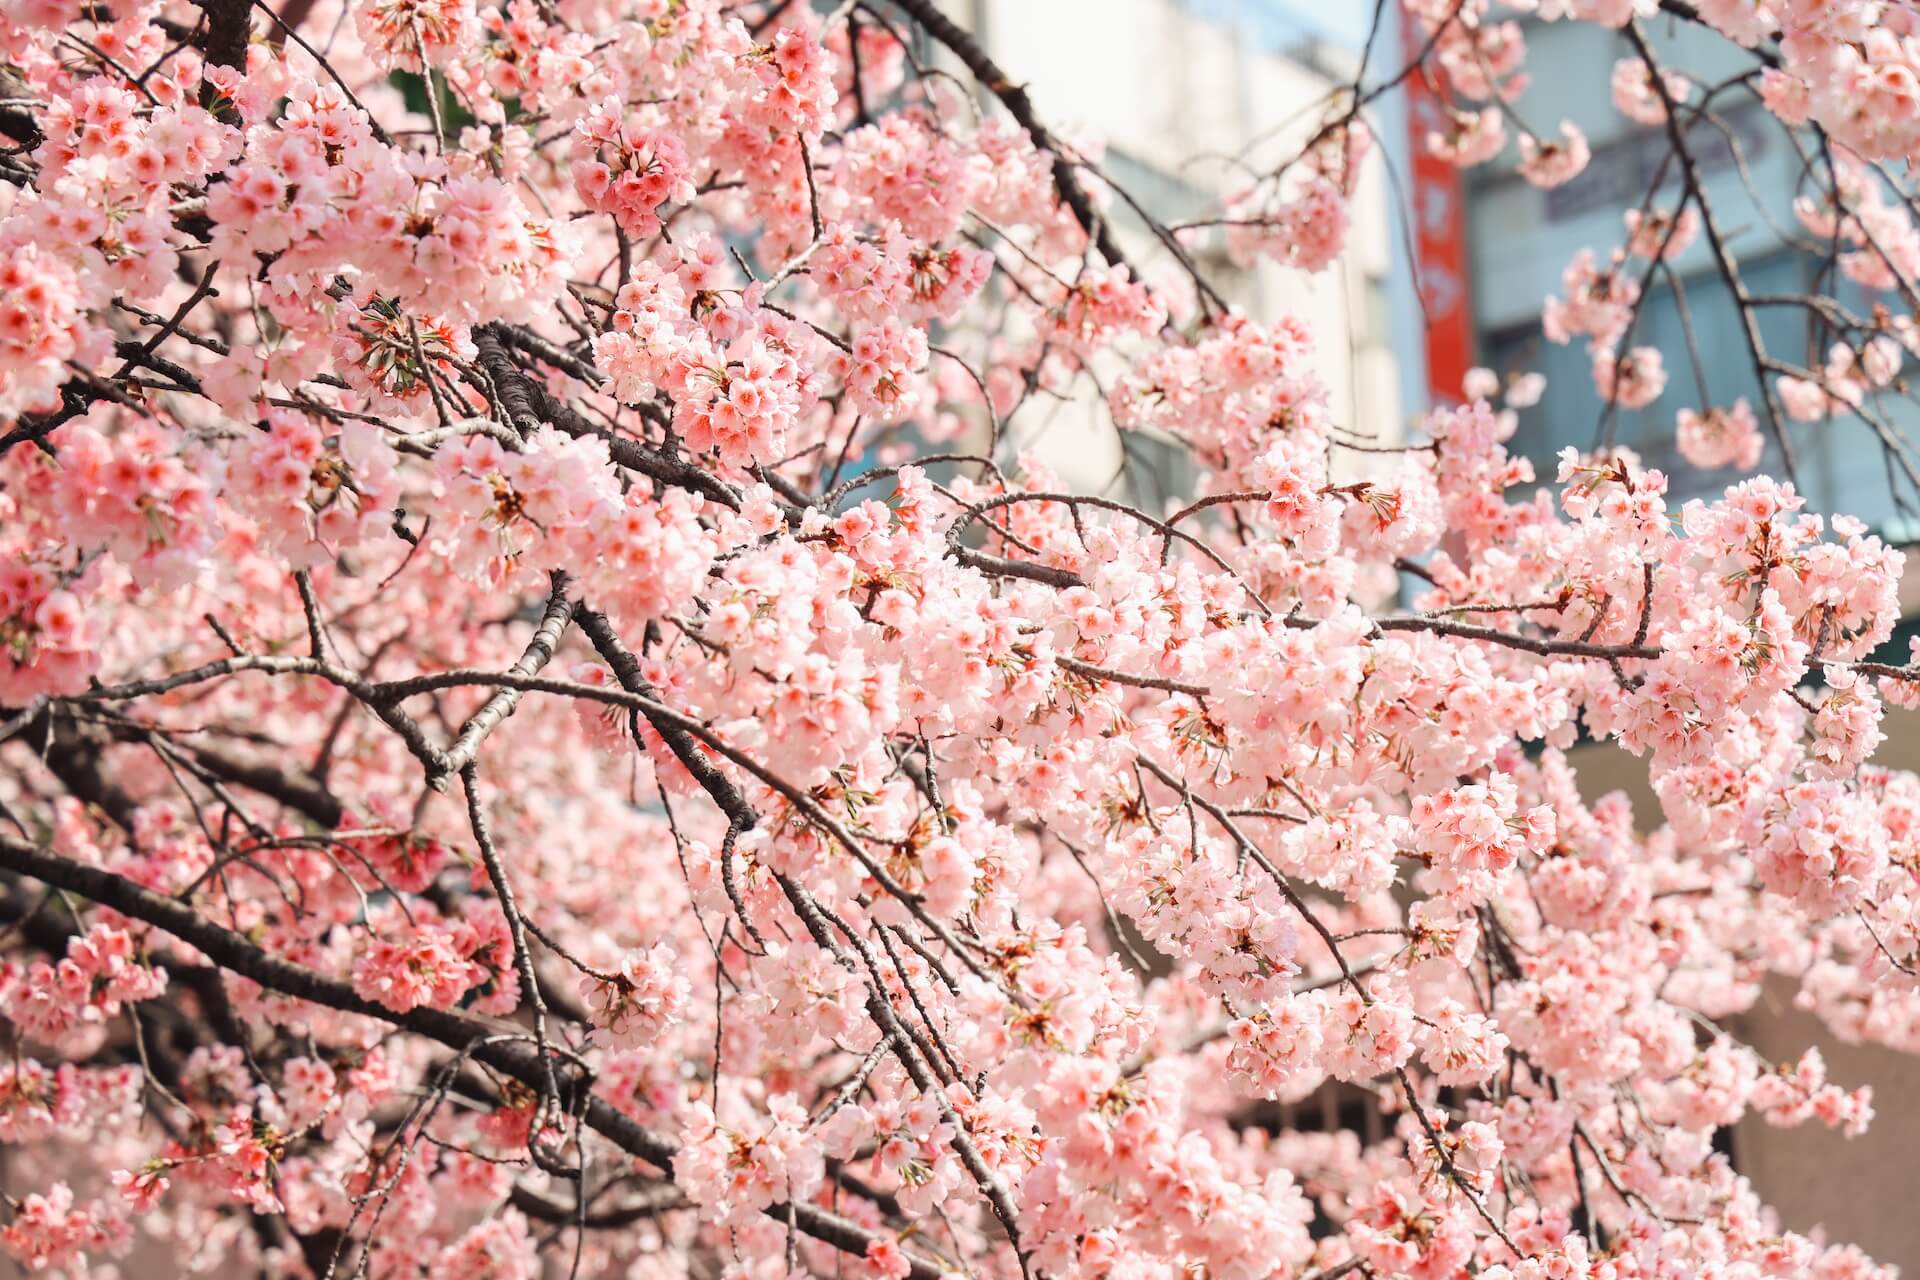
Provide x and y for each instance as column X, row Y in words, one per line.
column 551, row 727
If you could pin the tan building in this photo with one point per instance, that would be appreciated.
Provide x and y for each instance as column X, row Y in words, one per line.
column 1856, row 1190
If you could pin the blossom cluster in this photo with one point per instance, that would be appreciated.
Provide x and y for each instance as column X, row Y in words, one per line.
column 519, row 761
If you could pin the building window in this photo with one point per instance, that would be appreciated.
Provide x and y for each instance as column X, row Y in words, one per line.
column 1840, row 465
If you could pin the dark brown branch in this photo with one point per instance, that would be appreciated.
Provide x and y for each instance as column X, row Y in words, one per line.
column 505, row 1054
column 1014, row 98
column 626, row 670
column 1723, row 257
column 1091, row 672
column 228, row 31
column 539, row 652
column 528, row 404
column 660, row 1198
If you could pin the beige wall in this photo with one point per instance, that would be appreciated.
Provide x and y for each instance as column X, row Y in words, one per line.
column 1860, row 1190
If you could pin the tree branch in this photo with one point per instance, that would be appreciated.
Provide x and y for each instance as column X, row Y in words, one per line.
column 505, row 1054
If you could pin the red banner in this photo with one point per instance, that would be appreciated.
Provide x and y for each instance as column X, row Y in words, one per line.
column 1439, row 233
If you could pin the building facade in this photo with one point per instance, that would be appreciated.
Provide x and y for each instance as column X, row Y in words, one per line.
column 1176, row 98
column 1520, row 239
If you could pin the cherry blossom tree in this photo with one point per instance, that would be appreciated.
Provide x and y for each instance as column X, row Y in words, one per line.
column 547, row 731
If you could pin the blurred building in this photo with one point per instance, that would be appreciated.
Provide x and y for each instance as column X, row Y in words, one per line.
column 1175, row 97
column 1520, row 239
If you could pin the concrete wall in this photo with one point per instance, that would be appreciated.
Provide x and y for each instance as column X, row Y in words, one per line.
column 1859, row 1190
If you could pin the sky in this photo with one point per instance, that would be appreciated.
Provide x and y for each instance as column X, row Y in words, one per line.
column 1285, row 22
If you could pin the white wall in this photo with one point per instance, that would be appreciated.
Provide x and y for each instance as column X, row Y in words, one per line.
column 1189, row 97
